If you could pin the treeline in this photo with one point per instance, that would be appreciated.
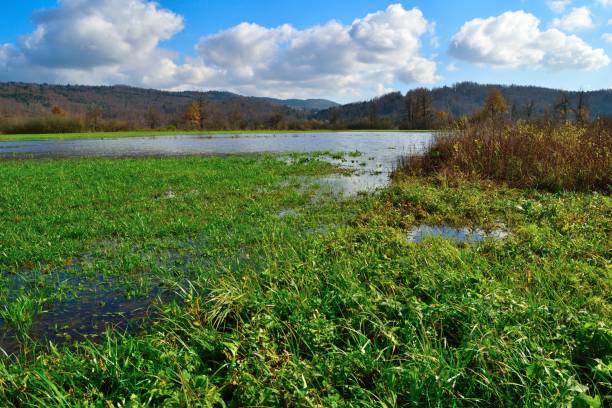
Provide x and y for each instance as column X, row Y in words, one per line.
column 29, row 108
column 425, row 109
column 199, row 114
column 195, row 118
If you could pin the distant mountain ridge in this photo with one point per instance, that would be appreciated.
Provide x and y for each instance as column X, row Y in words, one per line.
column 122, row 102
column 305, row 104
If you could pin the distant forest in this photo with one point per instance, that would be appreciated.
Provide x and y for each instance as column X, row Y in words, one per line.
column 42, row 108
column 424, row 109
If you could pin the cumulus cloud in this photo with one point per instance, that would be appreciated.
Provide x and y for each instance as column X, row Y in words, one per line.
column 605, row 3
column 578, row 19
column 371, row 53
column 120, row 41
column 607, row 37
column 514, row 40
column 96, row 41
column 558, row 6
column 86, row 34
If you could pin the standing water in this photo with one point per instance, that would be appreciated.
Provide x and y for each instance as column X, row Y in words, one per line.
column 99, row 304
column 375, row 152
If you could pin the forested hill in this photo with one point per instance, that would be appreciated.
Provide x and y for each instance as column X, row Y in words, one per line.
column 465, row 99
column 22, row 100
column 102, row 107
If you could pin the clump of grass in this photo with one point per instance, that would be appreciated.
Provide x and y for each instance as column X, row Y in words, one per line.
column 533, row 155
column 20, row 313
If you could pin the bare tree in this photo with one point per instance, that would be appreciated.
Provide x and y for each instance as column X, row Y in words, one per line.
column 152, row 117
column 562, row 107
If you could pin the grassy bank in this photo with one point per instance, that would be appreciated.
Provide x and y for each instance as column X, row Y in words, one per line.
column 324, row 305
column 157, row 133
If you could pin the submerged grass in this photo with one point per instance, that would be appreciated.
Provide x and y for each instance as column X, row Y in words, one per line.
column 274, row 313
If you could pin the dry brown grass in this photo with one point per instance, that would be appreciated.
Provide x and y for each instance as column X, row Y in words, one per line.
column 533, row 155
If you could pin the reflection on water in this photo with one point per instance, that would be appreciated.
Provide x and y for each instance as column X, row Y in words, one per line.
column 374, row 153
column 372, row 144
column 418, row 234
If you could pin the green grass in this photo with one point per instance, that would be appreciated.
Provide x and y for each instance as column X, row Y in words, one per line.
column 157, row 133
column 330, row 306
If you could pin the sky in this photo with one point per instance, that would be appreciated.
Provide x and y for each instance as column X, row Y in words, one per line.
column 344, row 50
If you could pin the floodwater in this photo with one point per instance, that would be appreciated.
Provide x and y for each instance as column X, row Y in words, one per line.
column 378, row 144
column 92, row 305
column 100, row 303
column 378, row 152
column 419, row 234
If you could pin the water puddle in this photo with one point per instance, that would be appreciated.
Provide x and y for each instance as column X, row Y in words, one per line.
column 91, row 305
column 343, row 185
column 287, row 213
column 468, row 235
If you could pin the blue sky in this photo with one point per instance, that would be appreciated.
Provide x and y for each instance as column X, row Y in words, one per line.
column 343, row 50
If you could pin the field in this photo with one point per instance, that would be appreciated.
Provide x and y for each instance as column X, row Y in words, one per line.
column 251, row 289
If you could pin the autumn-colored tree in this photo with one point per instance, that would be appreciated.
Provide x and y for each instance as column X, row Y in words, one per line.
column 443, row 118
column 58, row 111
column 193, row 115
column 495, row 104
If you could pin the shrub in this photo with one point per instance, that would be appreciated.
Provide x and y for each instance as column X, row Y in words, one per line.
column 61, row 124
column 51, row 124
column 534, row 155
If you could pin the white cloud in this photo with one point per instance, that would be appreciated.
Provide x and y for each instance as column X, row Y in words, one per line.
column 607, row 37
column 92, row 42
column 370, row 54
column 85, row 34
column 558, row 6
column 452, row 67
column 118, row 41
column 578, row 19
column 605, row 3
column 514, row 40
